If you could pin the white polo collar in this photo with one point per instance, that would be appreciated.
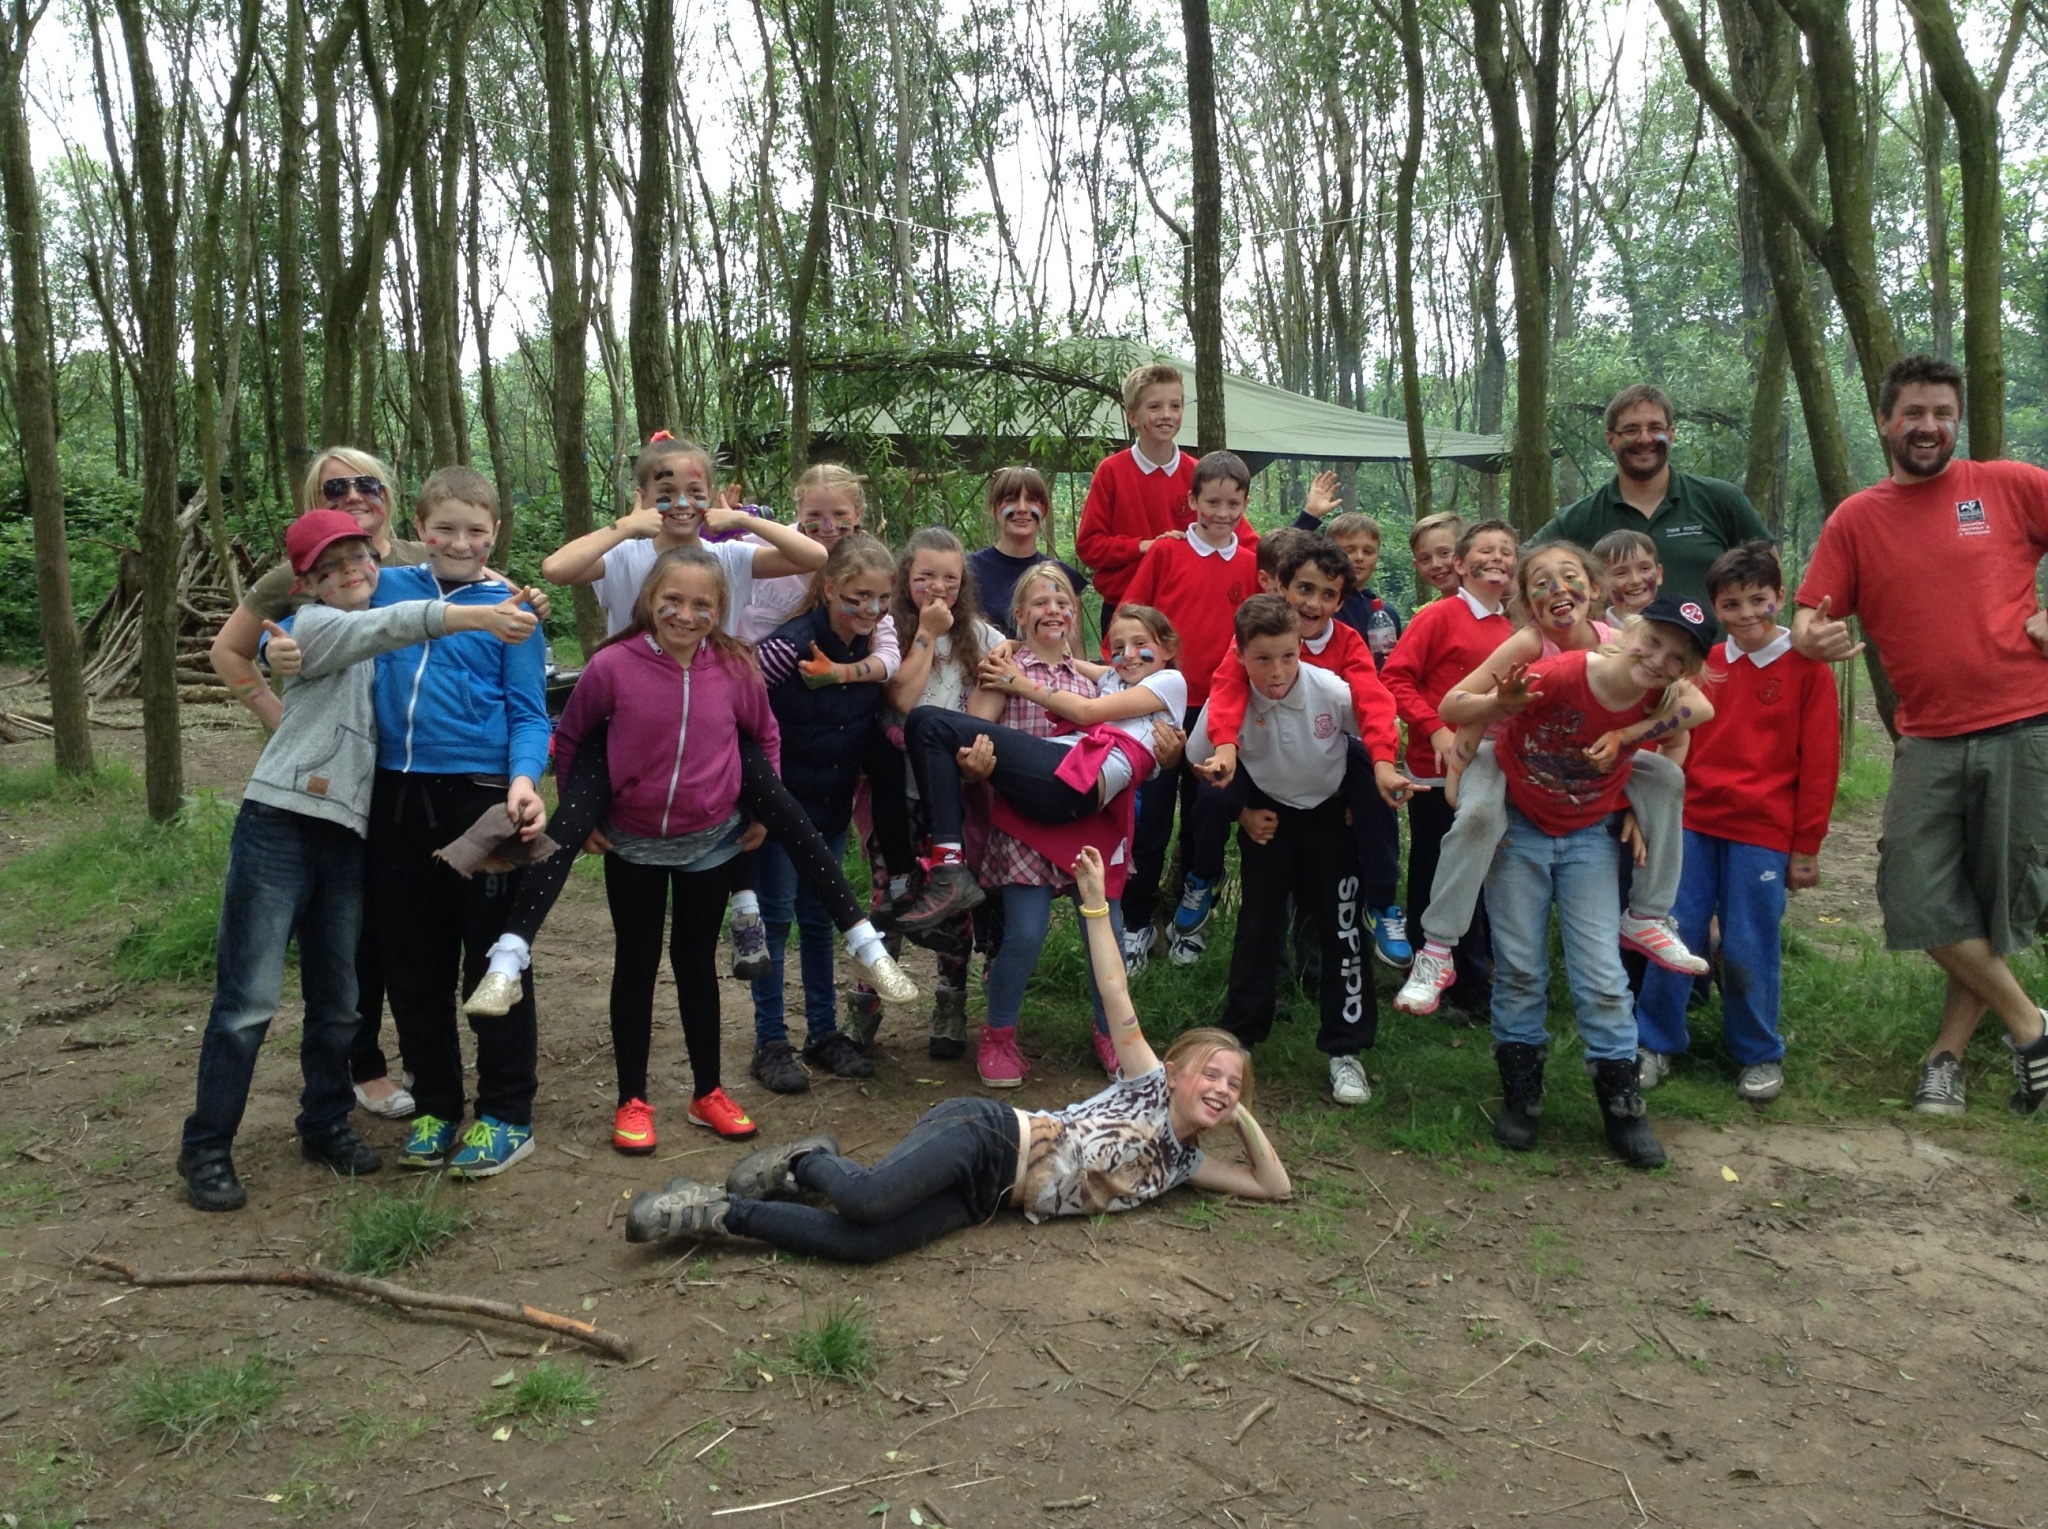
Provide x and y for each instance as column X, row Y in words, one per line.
column 1147, row 466
column 1473, row 603
column 1202, row 549
column 1763, row 657
column 1316, row 645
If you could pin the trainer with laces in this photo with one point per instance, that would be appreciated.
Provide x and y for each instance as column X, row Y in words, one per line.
column 1938, row 562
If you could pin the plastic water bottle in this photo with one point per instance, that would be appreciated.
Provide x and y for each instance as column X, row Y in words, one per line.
column 1380, row 631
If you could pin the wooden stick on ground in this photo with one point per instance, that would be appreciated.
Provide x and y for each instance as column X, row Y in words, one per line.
column 1358, row 1398
column 336, row 1283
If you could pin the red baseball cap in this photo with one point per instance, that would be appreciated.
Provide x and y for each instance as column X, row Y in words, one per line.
column 314, row 532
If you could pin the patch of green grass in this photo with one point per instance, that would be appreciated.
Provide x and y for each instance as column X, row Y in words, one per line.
column 43, row 1474
column 185, row 1405
column 387, row 1231
column 158, row 884
column 836, row 1347
column 1866, row 773
column 47, row 786
column 545, row 1396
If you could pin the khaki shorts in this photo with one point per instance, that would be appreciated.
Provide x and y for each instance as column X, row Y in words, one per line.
column 1965, row 847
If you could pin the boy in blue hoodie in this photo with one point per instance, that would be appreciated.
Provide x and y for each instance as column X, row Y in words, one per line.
column 295, row 864
column 461, row 728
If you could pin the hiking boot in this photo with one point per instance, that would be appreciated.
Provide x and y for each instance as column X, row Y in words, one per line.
column 210, row 1182
column 1657, row 938
column 838, row 1056
column 1347, row 1081
column 2029, row 1073
column 715, row 1111
column 949, row 891
column 998, row 1060
column 768, row 1173
column 1137, row 951
column 633, row 1128
column 750, row 960
column 1521, row 1091
column 1653, row 1067
column 342, row 1150
column 681, row 1206
column 1760, row 1084
column 489, row 1147
column 1428, row 976
column 1390, row 937
column 1197, row 902
column 863, row 1018
column 1940, row 1089
column 949, row 1024
column 1616, row 1086
column 774, row 1067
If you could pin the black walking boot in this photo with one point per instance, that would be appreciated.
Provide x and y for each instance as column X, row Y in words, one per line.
column 1615, row 1085
column 1521, row 1094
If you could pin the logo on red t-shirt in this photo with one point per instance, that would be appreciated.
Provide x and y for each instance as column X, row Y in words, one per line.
column 1970, row 519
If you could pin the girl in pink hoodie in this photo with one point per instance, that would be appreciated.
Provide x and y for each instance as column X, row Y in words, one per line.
column 677, row 691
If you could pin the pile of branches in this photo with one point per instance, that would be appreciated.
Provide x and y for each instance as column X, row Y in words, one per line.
column 206, row 598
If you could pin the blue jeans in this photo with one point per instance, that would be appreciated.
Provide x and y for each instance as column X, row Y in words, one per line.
column 785, row 899
column 1576, row 871
column 1745, row 884
column 1027, row 914
column 288, row 874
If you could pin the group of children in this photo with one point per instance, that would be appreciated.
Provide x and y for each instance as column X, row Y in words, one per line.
column 765, row 691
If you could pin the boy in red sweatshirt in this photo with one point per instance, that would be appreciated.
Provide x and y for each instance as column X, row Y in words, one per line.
column 1197, row 581
column 1760, row 784
column 1313, row 575
column 1445, row 641
column 1140, row 495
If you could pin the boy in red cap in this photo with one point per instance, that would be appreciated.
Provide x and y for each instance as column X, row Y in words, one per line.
column 295, row 863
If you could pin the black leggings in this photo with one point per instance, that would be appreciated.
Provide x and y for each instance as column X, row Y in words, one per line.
column 1023, row 777
column 586, row 797
column 950, row 1172
column 638, row 896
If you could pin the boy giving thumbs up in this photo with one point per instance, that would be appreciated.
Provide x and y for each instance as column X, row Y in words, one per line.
column 295, row 862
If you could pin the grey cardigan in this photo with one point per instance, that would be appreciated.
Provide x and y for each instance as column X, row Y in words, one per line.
column 322, row 760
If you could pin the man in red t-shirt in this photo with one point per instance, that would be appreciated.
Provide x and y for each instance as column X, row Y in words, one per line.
column 1939, row 561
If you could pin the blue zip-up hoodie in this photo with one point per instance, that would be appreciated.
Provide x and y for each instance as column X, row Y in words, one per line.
column 467, row 704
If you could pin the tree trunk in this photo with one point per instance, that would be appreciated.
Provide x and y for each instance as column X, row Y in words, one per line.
column 486, row 372
column 436, row 175
column 35, row 397
column 294, row 415
column 822, row 111
column 1412, row 61
column 652, row 363
column 1941, row 306
column 1205, row 263
column 154, row 291
column 568, row 319
column 1490, row 366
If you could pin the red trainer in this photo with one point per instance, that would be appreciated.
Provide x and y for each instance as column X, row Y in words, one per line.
column 633, row 1128
column 717, row 1113
column 998, row 1060
column 1105, row 1053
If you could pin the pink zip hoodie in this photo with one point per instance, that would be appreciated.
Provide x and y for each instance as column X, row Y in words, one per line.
column 673, row 748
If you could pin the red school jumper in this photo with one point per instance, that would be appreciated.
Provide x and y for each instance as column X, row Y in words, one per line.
column 1762, row 772
column 1131, row 501
column 1542, row 751
column 1345, row 654
column 1446, row 640
column 1198, row 589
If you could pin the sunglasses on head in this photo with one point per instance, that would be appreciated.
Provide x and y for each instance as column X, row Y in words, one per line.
column 338, row 488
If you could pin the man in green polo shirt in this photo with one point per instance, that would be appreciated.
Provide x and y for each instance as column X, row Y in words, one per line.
column 1692, row 520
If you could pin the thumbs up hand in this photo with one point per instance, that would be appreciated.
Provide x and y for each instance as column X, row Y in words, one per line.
column 1828, row 639
column 281, row 653
column 508, row 621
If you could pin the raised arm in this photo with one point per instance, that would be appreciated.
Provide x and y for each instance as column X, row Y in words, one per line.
column 1134, row 1055
column 788, row 550
column 582, row 560
column 1485, row 695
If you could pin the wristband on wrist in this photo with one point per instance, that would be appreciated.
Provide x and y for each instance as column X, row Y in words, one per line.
column 1101, row 912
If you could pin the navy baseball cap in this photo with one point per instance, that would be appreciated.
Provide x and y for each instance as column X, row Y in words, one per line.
column 1688, row 615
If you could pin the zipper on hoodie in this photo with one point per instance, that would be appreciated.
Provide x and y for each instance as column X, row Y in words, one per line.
column 676, row 769
column 412, row 702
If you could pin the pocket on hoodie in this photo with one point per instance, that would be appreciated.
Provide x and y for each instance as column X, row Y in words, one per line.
column 342, row 770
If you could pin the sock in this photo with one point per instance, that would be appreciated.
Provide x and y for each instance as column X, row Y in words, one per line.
column 510, row 956
column 899, row 887
column 746, row 905
column 863, row 943
column 1436, row 948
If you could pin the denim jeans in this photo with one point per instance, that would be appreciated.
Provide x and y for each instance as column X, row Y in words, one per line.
column 288, row 875
column 1027, row 914
column 1531, row 871
column 951, row 1171
column 1745, row 884
column 786, row 900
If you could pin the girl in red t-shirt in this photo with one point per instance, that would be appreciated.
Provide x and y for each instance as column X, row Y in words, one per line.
column 1565, row 774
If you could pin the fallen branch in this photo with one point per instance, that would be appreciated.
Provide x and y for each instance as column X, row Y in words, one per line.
column 1358, row 1398
column 1237, row 1434
column 381, row 1290
column 848, row 1486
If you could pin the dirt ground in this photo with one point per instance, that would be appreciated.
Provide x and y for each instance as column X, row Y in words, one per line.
column 1791, row 1327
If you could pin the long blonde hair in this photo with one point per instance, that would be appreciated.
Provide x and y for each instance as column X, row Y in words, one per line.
column 839, row 478
column 1047, row 572
column 359, row 463
column 1191, row 1048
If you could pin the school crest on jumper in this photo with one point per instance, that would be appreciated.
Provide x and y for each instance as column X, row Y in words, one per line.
column 1970, row 518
